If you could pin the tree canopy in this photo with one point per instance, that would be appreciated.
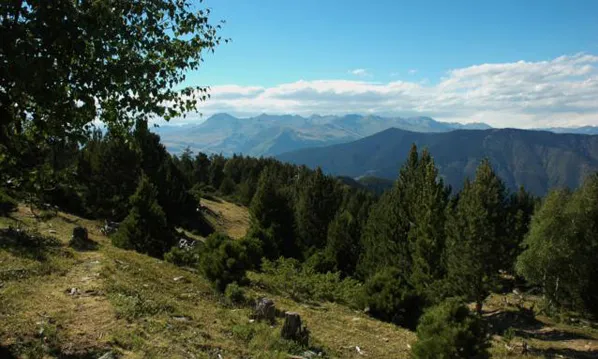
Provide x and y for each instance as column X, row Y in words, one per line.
column 65, row 64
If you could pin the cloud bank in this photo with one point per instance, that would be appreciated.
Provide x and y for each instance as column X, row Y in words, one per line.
column 559, row 92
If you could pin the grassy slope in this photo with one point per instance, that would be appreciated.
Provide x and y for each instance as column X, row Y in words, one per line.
column 132, row 304
column 140, row 307
column 227, row 217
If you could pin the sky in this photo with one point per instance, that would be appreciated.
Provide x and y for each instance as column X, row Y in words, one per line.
column 509, row 63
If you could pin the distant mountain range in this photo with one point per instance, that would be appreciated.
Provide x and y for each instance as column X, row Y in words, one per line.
column 538, row 160
column 269, row 135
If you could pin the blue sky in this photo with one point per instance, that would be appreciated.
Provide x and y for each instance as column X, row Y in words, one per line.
column 354, row 48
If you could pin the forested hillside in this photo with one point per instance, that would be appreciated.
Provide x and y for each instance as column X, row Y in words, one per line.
column 112, row 247
column 537, row 160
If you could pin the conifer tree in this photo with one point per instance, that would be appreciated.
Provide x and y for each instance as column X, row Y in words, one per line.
column 426, row 233
column 406, row 227
column 475, row 232
column 271, row 217
column 316, row 205
column 450, row 331
column 521, row 205
column 385, row 237
column 145, row 229
column 343, row 245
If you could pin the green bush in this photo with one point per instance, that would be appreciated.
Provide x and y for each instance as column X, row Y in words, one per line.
column 234, row 294
column 183, row 257
column 303, row 283
column 7, row 203
column 223, row 261
column 255, row 251
column 391, row 298
column 450, row 330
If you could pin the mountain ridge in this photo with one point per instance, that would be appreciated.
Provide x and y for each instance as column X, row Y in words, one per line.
column 537, row 160
column 271, row 135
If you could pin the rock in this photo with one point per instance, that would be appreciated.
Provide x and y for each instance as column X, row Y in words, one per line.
column 109, row 228
column 109, row 355
column 292, row 329
column 265, row 310
column 181, row 318
column 308, row 354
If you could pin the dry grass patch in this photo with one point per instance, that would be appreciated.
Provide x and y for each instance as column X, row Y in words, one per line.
column 227, row 217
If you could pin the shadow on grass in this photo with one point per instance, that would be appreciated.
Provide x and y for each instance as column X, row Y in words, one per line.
column 83, row 245
column 554, row 335
column 500, row 321
column 5, row 353
column 27, row 244
column 565, row 353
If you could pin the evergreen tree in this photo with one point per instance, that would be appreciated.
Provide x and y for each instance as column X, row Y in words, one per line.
column 426, row 233
column 145, row 228
column 223, row 261
column 216, row 170
column 475, row 233
column 271, row 217
column 316, row 205
column 390, row 297
column 343, row 245
column 450, row 331
column 521, row 207
column 201, row 169
column 405, row 228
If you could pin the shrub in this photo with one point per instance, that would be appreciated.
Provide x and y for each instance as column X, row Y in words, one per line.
column 183, row 257
column 450, row 330
column 391, row 298
column 234, row 294
column 302, row 282
column 255, row 251
column 223, row 261
column 7, row 203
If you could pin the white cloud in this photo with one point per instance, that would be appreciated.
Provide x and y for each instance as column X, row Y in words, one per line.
column 412, row 71
column 359, row 72
column 559, row 92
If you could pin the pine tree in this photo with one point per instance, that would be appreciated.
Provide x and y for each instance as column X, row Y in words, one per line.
column 406, row 227
column 316, row 205
column 450, row 331
column 385, row 236
column 426, row 234
column 475, row 232
column 343, row 245
column 145, row 229
column 521, row 207
column 271, row 217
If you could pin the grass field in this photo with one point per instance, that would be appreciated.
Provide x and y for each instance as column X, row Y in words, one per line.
column 59, row 302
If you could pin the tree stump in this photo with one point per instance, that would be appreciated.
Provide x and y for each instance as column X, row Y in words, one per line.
column 265, row 310
column 293, row 329
column 80, row 239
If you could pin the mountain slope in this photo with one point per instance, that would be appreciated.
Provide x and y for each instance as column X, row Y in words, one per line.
column 537, row 160
column 268, row 135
